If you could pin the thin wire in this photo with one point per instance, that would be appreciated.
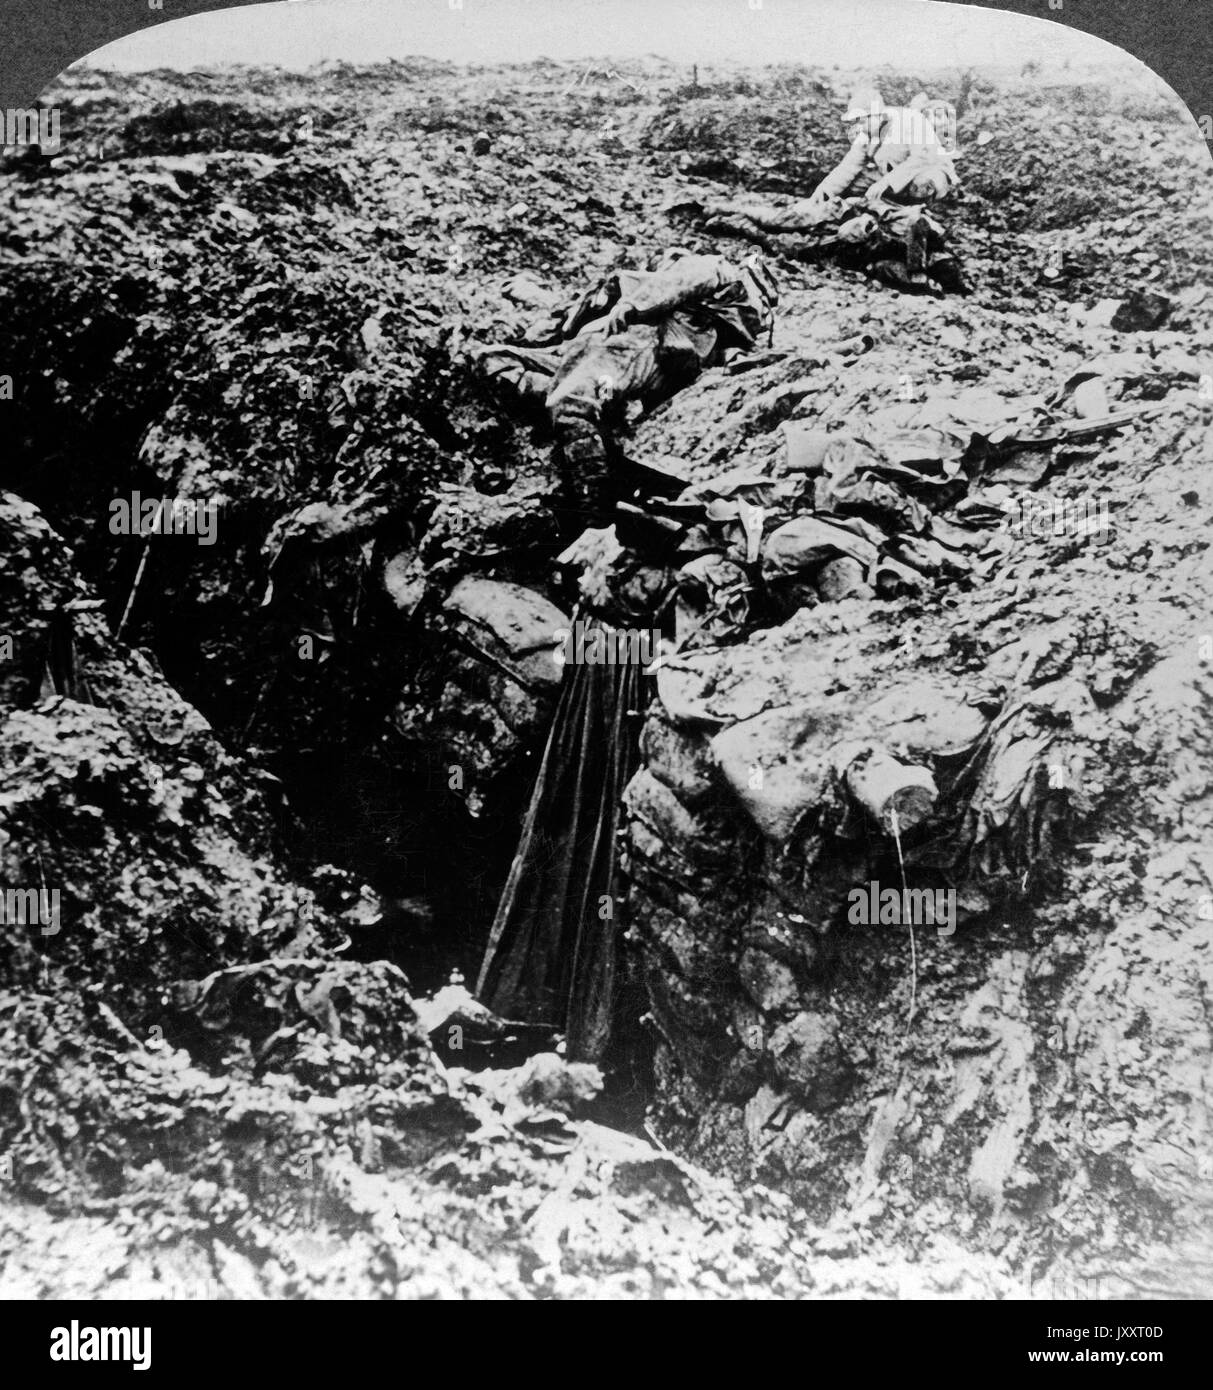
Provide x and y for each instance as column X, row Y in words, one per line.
column 147, row 549
column 905, row 903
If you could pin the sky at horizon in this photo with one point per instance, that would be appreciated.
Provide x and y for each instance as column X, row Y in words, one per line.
column 299, row 33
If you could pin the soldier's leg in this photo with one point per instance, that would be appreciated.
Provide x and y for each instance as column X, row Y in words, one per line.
column 942, row 265
column 803, row 234
column 738, row 225
column 890, row 244
column 914, row 237
column 588, row 404
column 580, row 404
column 807, row 215
column 813, row 247
column 946, row 273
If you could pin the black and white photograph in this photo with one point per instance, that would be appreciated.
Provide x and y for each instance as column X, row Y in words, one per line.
column 606, row 663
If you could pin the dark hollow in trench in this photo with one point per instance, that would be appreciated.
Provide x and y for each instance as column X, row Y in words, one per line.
column 346, row 793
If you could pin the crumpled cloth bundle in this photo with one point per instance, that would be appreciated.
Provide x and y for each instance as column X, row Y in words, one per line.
column 852, row 520
column 713, row 601
column 1008, row 804
column 917, row 495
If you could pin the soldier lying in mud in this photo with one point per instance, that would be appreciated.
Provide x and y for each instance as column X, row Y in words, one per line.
column 635, row 337
column 871, row 210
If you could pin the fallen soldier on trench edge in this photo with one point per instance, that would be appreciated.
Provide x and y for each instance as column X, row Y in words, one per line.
column 635, row 338
column 874, row 210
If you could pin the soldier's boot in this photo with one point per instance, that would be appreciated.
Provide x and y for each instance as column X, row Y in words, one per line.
column 897, row 795
column 916, row 236
column 587, row 492
column 891, row 270
column 946, row 273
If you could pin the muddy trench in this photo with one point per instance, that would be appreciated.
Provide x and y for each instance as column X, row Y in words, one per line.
column 1027, row 1088
column 346, row 791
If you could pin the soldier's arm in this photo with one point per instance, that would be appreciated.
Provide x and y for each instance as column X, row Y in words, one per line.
column 840, row 178
column 901, row 176
column 897, row 180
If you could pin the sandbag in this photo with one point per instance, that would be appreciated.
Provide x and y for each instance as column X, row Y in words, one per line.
column 808, row 542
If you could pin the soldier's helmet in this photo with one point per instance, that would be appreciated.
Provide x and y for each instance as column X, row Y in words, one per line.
column 867, row 107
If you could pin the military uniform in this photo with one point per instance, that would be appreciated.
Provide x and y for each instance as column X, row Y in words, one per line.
column 871, row 204
column 637, row 336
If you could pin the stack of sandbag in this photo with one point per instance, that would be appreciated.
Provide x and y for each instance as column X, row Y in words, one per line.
column 494, row 678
